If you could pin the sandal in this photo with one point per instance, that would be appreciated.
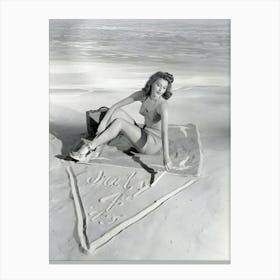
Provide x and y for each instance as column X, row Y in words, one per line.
column 82, row 157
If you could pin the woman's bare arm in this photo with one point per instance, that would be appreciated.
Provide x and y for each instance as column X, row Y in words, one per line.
column 136, row 96
column 164, row 134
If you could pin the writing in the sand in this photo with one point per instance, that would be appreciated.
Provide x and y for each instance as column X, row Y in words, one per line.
column 124, row 190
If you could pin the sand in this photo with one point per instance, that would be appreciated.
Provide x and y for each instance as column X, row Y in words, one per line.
column 192, row 226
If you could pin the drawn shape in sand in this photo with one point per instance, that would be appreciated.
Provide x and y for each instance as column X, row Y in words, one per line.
column 105, row 209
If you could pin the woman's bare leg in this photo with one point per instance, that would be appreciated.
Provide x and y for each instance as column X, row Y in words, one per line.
column 120, row 121
column 121, row 114
column 132, row 132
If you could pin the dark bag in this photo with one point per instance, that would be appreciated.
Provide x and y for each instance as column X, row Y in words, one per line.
column 94, row 117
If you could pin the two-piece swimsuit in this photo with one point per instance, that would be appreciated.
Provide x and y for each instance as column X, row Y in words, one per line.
column 151, row 127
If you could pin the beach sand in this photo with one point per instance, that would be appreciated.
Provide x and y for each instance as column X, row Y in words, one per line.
column 193, row 226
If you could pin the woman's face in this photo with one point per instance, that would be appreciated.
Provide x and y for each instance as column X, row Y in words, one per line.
column 159, row 88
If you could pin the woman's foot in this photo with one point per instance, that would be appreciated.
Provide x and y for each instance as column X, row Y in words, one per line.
column 83, row 154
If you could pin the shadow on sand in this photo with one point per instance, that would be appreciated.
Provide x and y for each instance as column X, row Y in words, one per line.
column 132, row 152
column 69, row 136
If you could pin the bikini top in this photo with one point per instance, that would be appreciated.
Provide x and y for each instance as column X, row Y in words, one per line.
column 148, row 110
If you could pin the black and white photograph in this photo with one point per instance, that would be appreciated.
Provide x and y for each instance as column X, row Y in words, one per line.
column 139, row 140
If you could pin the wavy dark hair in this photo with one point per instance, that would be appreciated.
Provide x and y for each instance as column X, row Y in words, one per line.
column 164, row 75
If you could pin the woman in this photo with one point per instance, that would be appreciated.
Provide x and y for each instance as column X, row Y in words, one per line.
column 147, row 139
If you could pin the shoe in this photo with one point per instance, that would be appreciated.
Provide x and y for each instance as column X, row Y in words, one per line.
column 82, row 157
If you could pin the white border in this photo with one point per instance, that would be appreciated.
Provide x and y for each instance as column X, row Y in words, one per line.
column 255, row 137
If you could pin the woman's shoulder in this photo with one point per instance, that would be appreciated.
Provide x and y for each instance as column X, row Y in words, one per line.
column 139, row 95
column 162, row 105
column 142, row 95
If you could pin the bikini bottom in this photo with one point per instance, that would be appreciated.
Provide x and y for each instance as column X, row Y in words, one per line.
column 150, row 141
